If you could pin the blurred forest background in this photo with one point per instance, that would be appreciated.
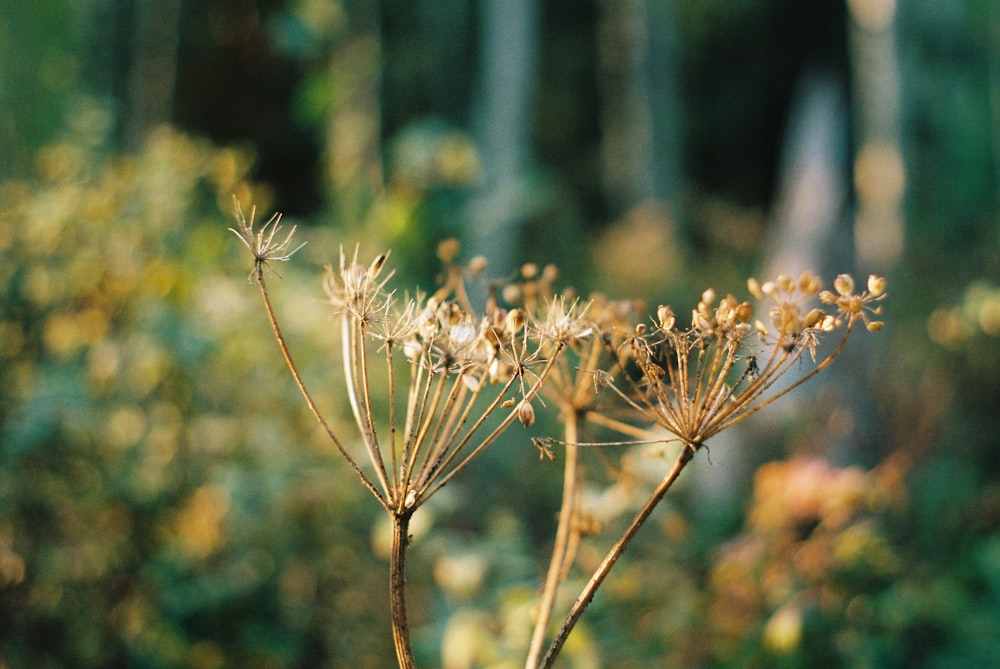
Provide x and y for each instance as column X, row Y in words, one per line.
column 167, row 501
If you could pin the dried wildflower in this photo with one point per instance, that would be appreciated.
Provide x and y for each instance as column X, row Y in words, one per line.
column 455, row 379
column 262, row 244
column 357, row 289
column 586, row 366
column 447, row 360
column 699, row 381
column 564, row 323
column 855, row 307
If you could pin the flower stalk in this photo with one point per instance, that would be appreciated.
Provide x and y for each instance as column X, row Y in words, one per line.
column 397, row 589
column 617, row 550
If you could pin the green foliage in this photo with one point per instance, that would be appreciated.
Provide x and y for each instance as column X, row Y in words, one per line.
column 39, row 77
column 164, row 501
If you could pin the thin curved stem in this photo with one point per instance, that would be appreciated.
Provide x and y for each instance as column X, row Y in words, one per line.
column 587, row 595
column 355, row 365
column 305, row 393
column 492, row 436
column 557, row 565
column 727, row 419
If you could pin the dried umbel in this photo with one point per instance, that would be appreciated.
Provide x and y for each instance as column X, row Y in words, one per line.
column 697, row 381
column 467, row 378
column 431, row 382
column 458, row 370
column 265, row 245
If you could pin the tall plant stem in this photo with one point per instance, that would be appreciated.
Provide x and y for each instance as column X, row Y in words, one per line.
column 557, row 565
column 355, row 369
column 305, row 392
column 397, row 589
column 587, row 595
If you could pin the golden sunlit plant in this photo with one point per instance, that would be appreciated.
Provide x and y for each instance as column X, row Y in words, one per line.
column 460, row 370
column 697, row 381
column 452, row 380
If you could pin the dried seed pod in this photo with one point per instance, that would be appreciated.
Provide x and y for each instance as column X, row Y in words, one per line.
column 526, row 413
column 809, row 283
column 844, row 284
column 814, row 317
column 448, row 250
column 665, row 315
column 876, row 285
column 514, row 321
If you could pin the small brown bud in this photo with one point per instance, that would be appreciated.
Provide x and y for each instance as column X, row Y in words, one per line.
column 744, row 312
column 526, row 413
column 514, row 321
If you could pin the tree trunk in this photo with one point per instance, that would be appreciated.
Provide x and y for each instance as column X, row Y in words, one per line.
column 640, row 146
column 879, row 176
column 153, row 73
column 353, row 149
column 502, row 126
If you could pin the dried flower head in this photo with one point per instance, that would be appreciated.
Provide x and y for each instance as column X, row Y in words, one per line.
column 465, row 376
column 357, row 289
column 262, row 244
column 857, row 306
column 698, row 381
column 563, row 323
